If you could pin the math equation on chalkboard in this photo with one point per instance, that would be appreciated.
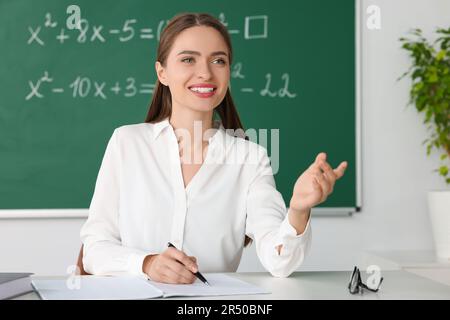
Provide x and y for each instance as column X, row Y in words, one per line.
column 83, row 86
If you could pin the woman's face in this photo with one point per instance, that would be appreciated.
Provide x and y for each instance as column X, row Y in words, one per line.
column 199, row 58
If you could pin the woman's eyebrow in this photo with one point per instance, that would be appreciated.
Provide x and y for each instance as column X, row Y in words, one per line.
column 215, row 53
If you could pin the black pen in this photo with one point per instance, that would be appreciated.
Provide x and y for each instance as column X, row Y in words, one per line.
column 197, row 274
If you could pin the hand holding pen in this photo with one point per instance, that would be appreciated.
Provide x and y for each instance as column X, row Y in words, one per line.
column 171, row 266
column 195, row 270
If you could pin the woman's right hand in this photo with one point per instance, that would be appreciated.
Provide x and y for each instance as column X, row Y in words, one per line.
column 172, row 266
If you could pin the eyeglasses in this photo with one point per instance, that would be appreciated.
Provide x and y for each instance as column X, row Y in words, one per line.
column 357, row 286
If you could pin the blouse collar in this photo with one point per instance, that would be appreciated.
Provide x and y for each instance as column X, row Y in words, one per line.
column 164, row 124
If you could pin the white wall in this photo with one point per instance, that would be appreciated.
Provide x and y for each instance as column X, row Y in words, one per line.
column 396, row 171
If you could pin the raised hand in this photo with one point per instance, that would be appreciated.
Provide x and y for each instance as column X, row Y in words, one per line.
column 315, row 184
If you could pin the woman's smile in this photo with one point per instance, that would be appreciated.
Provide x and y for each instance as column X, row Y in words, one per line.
column 203, row 90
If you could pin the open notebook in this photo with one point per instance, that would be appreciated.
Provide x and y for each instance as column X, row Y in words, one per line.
column 127, row 287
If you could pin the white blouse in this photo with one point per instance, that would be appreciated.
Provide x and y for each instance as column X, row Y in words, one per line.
column 140, row 204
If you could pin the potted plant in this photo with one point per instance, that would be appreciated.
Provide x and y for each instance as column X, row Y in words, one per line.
column 430, row 93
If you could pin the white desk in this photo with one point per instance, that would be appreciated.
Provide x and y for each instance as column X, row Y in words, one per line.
column 420, row 262
column 397, row 284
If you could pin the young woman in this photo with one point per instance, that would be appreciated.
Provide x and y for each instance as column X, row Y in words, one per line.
column 149, row 191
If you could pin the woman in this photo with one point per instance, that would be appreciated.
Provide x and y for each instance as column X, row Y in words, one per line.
column 149, row 191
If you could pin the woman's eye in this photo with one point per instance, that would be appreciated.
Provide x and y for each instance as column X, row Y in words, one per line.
column 221, row 61
column 188, row 60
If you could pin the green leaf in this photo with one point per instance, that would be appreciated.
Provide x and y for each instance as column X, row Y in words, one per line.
column 433, row 78
column 418, row 86
column 406, row 46
column 429, row 114
column 443, row 171
column 417, row 73
column 443, row 156
column 441, row 55
column 429, row 149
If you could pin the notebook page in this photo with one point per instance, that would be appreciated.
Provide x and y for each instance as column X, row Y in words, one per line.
column 221, row 284
column 96, row 288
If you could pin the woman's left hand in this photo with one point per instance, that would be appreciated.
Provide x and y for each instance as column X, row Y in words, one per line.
column 315, row 184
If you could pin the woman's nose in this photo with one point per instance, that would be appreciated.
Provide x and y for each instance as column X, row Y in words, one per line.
column 204, row 71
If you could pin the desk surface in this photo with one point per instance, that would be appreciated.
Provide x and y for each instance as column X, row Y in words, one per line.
column 327, row 285
column 400, row 259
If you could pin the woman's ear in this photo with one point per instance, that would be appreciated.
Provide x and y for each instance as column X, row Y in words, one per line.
column 160, row 72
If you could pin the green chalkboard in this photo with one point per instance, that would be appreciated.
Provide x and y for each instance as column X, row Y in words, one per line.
column 64, row 91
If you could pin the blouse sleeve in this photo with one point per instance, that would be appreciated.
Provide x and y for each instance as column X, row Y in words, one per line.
column 267, row 223
column 103, row 253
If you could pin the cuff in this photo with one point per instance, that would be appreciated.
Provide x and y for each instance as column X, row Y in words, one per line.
column 287, row 233
column 135, row 262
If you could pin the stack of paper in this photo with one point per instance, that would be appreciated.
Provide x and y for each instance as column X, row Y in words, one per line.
column 14, row 284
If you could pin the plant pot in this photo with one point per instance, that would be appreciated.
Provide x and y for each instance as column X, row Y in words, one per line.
column 439, row 209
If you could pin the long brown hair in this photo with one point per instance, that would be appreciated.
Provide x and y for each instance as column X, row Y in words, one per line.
column 161, row 104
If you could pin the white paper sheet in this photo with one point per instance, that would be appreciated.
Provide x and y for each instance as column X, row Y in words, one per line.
column 127, row 287
column 221, row 284
column 96, row 288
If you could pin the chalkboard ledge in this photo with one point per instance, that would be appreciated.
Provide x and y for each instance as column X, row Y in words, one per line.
column 83, row 213
column 43, row 213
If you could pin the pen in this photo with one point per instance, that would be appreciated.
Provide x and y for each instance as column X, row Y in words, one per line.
column 197, row 274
